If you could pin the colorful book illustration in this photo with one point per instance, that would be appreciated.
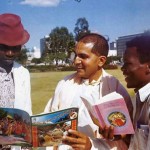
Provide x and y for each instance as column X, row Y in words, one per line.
column 18, row 128
column 111, row 110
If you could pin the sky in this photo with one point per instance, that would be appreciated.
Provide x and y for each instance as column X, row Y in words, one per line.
column 112, row 18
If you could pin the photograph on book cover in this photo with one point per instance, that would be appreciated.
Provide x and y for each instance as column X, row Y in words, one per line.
column 116, row 115
column 15, row 127
column 48, row 129
column 117, row 119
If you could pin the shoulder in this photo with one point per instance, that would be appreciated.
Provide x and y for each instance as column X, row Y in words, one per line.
column 65, row 79
column 69, row 80
column 18, row 69
column 69, row 77
column 114, row 84
column 109, row 77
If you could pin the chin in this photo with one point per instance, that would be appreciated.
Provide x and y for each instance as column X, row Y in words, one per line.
column 130, row 85
column 80, row 74
column 8, row 62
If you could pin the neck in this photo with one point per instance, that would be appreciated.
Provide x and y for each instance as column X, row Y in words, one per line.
column 96, row 76
column 8, row 68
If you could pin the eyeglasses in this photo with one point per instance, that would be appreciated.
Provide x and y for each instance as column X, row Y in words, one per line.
column 13, row 48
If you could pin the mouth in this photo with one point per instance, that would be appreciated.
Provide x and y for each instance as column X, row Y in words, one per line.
column 79, row 68
column 127, row 78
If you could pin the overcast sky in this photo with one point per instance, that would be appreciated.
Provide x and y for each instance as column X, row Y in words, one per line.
column 108, row 17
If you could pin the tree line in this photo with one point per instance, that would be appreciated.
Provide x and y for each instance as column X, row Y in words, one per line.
column 59, row 44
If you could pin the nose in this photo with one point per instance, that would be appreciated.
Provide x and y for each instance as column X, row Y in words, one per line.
column 123, row 68
column 77, row 60
column 10, row 53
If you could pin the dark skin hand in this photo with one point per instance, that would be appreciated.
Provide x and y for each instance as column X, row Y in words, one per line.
column 77, row 140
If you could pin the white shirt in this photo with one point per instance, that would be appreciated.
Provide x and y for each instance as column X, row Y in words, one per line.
column 7, row 89
column 68, row 92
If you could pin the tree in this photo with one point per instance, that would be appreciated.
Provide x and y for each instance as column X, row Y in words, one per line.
column 60, row 43
column 36, row 60
column 48, row 58
column 22, row 57
column 81, row 28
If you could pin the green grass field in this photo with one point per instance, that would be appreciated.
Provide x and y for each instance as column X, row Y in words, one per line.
column 43, row 86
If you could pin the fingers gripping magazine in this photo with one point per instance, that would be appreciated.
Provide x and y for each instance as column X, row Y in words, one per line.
column 18, row 128
column 111, row 110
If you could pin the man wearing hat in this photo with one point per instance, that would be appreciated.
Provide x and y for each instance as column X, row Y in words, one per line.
column 14, row 78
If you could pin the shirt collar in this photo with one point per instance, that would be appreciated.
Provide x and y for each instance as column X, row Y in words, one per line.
column 2, row 70
column 93, row 83
column 144, row 92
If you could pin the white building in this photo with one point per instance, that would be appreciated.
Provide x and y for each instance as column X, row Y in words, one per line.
column 35, row 53
column 112, row 53
column 112, row 49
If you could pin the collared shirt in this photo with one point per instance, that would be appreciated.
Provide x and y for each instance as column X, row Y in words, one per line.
column 93, row 88
column 68, row 93
column 7, row 89
column 141, row 139
column 141, row 96
column 144, row 92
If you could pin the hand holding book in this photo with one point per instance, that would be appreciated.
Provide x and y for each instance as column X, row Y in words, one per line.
column 106, row 132
column 77, row 140
column 111, row 115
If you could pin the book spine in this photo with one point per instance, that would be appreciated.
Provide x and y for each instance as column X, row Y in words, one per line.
column 99, row 116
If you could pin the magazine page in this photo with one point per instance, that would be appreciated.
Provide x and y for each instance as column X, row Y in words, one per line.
column 15, row 127
column 115, row 113
column 48, row 129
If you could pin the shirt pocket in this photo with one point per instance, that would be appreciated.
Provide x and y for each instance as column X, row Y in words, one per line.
column 144, row 130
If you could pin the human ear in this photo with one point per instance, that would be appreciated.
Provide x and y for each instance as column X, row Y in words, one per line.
column 102, row 60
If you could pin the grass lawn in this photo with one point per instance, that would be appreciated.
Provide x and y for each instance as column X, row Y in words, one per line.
column 43, row 86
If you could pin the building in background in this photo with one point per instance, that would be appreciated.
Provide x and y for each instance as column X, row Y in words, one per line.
column 121, row 43
column 112, row 49
column 44, row 44
column 35, row 53
column 116, row 48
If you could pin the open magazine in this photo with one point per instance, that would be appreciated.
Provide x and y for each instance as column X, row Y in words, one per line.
column 18, row 128
column 111, row 110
